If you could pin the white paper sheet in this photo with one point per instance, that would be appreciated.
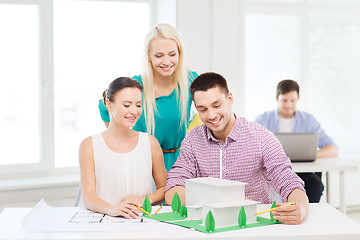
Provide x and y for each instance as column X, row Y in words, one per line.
column 43, row 218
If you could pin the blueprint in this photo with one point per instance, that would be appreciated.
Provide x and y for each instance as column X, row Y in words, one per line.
column 44, row 218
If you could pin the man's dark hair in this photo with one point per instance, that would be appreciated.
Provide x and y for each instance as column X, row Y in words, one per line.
column 286, row 86
column 207, row 81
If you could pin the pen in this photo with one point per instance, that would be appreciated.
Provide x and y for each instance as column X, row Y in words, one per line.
column 272, row 209
column 158, row 209
column 143, row 210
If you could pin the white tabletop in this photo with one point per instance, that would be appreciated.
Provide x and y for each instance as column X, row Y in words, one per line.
column 322, row 222
column 326, row 165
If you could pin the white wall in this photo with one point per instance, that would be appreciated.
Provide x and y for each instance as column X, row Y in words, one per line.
column 212, row 32
column 165, row 12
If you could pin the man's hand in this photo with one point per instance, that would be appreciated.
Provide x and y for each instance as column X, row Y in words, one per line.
column 291, row 214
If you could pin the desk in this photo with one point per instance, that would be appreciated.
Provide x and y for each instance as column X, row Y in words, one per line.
column 326, row 165
column 323, row 222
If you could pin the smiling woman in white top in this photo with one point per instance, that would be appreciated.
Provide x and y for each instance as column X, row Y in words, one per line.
column 117, row 165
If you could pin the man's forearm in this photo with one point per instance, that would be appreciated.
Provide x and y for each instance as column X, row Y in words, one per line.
column 171, row 192
column 328, row 151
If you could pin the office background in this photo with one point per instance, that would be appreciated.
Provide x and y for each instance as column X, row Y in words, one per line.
column 57, row 57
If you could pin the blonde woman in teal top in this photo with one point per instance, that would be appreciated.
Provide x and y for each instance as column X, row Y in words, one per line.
column 166, row 99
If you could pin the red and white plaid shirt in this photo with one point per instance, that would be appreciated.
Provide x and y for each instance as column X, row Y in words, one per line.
column 250, row 154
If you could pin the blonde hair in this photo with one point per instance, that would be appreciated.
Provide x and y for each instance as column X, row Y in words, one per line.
column 165, row 31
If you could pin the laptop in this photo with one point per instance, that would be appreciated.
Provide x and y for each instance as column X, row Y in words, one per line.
column 299, row 146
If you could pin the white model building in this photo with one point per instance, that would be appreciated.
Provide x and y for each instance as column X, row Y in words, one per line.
column 223, row 197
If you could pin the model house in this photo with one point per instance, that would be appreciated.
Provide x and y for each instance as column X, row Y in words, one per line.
column 224, row 198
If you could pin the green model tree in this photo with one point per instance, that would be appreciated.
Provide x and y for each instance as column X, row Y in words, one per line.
column 176, row 203
column 210, row 222
column 242, row 217
column 147, row 205
column 183, row 211
column 271, row 215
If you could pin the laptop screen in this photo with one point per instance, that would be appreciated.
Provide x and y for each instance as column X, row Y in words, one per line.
column 299, row 146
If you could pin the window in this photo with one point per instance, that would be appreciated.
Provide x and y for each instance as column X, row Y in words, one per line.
column 56, row 60
column 91, row 51
column 19, row 79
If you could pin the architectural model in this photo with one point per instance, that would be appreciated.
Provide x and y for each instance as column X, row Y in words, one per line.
column 213, row 205
column 224, row 198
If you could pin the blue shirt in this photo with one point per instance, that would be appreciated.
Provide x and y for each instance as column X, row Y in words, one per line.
column 304, row 122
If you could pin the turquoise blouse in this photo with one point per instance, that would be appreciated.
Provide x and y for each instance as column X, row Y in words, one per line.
column 168, row 131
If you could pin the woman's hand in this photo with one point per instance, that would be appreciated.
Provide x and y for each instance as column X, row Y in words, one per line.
column 134, row 199
column 123, row 209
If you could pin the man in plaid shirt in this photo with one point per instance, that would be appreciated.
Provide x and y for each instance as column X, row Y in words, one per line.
column 229, row 147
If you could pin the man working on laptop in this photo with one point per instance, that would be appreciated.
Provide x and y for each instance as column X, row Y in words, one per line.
column 229, row 147
column 286, row 118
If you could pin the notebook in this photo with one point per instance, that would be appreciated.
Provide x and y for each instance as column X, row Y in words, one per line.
column 299, row 147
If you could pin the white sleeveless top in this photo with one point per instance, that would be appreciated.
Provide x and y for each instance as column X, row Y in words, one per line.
column 120, row 174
